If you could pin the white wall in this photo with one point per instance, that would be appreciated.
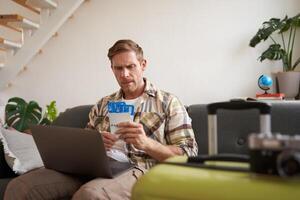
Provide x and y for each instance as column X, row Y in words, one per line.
column 196, row 49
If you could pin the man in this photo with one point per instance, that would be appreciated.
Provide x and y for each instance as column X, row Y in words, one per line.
column 160, row 128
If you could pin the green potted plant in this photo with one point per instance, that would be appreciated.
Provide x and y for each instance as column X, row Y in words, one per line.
column 282, row 33
column 19, row 114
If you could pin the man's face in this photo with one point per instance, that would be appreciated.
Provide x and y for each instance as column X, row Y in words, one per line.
column 128, row 71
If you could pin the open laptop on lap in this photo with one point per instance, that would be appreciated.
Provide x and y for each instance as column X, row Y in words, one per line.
column 75, row 151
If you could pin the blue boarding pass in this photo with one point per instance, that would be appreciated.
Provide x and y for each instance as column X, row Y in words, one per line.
column 119, row 111
column 120, row 107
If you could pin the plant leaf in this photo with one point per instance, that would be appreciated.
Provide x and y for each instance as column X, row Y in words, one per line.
column 296, row 20
column 20, row 114
column 285, row 24
column 274, row 52
column 267, row 29
column 51, row 112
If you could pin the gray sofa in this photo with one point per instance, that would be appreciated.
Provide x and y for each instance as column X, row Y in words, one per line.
column 234, row 127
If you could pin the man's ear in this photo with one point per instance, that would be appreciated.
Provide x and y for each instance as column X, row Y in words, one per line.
column 144, row 64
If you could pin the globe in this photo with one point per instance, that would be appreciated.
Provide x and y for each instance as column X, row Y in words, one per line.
column 265, row 82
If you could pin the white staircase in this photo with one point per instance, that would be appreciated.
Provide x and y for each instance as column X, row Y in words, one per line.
column 37, row 5
column 42, row 4
column 12, row 21
column 9, row 45
column 34, row 35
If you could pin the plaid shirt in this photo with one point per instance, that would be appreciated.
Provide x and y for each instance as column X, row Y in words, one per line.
column 163, row 117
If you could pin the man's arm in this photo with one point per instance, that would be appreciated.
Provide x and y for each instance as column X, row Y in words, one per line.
column 133, row 133
column 178, row 128
column 161, row 152
column 178, row 132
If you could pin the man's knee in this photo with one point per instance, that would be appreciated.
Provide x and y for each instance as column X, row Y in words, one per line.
column 42, row 184
column 16, row 190
column 86, row 192
column 118, row 188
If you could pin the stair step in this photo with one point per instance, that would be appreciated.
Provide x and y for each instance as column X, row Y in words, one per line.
column 7, row 44
column 42, row 3
column 18, row 21
column 35, row 5
column 24, row 4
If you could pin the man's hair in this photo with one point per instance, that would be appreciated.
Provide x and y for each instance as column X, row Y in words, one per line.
column 123, row 46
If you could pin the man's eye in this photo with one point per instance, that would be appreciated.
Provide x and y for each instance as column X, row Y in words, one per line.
column 130, row 66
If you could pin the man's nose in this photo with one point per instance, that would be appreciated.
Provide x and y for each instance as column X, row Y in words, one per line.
column 125, row 72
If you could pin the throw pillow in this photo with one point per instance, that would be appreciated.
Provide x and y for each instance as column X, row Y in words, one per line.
column 21, row 153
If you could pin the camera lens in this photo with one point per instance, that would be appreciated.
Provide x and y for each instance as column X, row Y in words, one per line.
column 288, row 163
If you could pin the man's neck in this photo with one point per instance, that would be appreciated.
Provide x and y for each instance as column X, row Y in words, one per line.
column 135, row 94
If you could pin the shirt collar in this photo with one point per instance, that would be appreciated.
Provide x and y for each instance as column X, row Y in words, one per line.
column 150, row 90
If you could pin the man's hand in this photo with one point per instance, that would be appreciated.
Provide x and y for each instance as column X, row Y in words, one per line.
column 133, row 133
column 109, row 139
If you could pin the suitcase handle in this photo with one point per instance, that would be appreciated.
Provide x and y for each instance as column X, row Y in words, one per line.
column 219, row 157
column 263, row 107
column 265, row 118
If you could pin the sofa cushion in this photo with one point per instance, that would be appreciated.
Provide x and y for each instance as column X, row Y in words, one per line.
column 76, row 117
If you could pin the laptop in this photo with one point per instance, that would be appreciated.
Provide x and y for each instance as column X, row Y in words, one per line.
column 76, row 151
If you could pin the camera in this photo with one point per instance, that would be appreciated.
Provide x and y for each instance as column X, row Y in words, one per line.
column 275, row 154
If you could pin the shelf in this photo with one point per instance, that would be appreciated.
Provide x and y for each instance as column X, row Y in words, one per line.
column 18, row 21
column 8, row 45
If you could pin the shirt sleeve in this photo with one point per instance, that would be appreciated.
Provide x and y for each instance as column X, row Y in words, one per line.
column 92, row 117
column 97, row 121
column 179, row 130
